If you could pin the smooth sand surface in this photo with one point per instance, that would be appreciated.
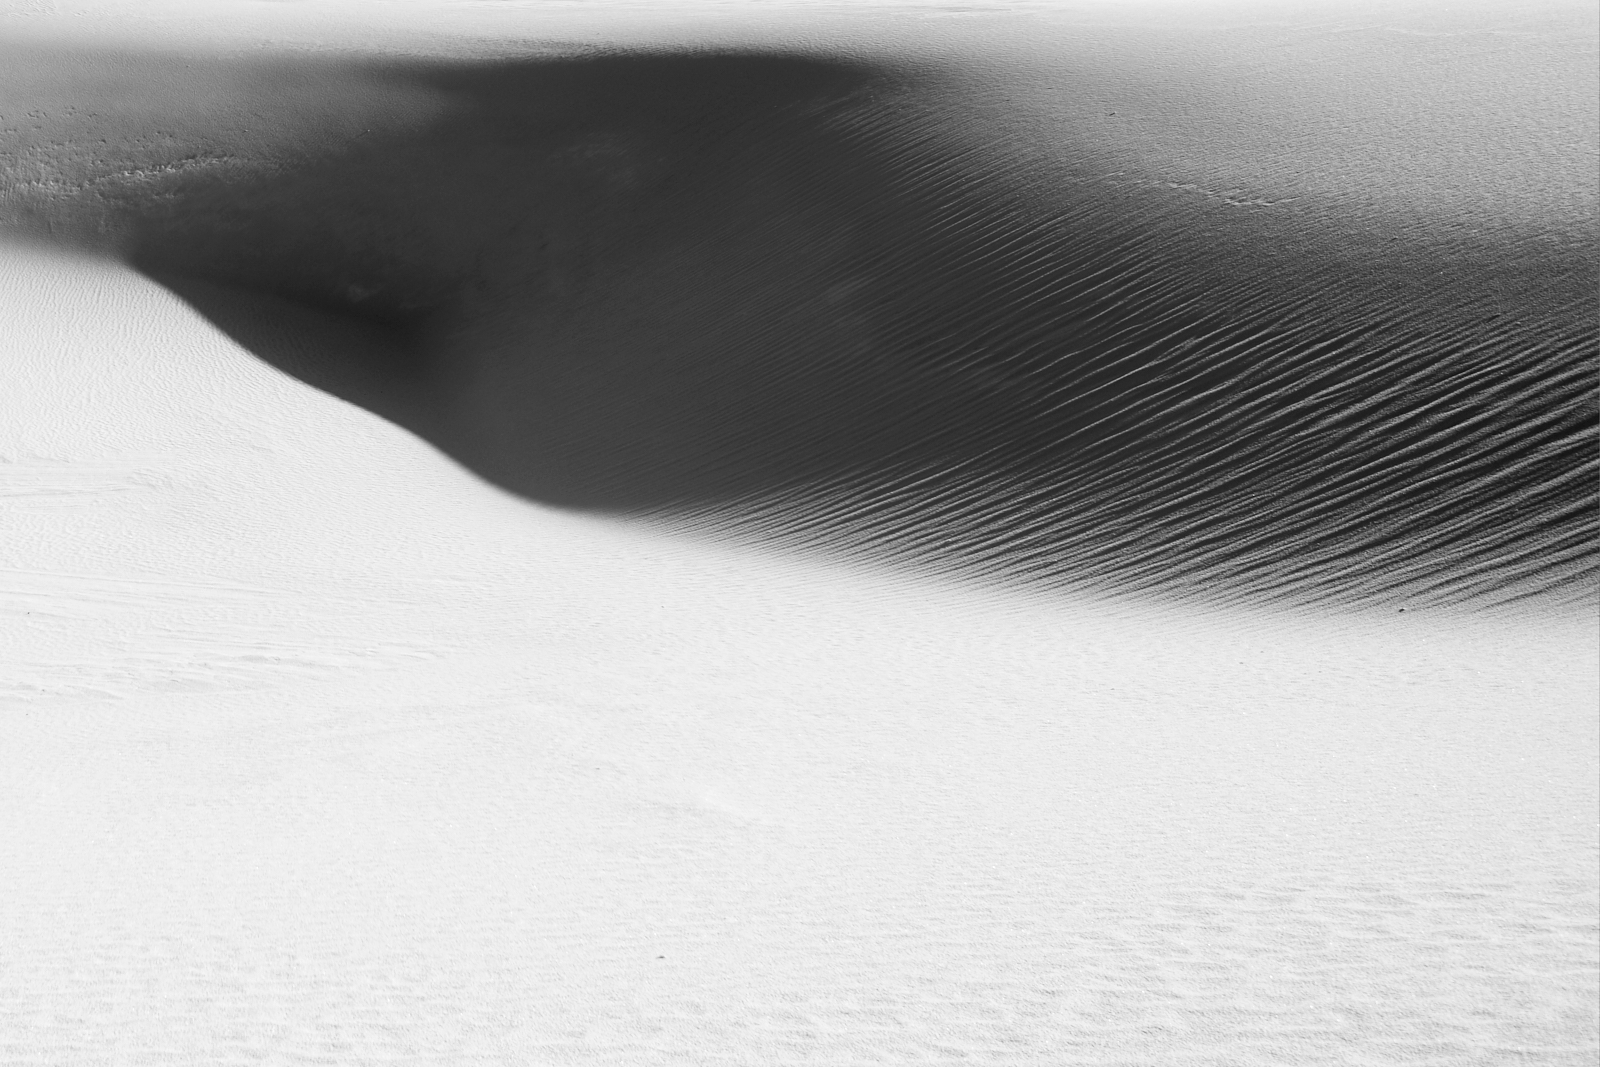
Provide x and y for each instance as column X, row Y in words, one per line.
column 320, row 747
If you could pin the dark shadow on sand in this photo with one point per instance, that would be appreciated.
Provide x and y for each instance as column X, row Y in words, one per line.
column 804, row 299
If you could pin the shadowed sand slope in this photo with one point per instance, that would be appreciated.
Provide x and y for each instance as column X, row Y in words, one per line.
column 825, row 302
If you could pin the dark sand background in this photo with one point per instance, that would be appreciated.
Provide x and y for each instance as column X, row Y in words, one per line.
column 877, row 304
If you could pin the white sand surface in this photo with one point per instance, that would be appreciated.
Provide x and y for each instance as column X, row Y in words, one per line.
column 317, row 749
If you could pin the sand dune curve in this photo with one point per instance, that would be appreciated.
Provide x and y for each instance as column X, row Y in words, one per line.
column 817, row 299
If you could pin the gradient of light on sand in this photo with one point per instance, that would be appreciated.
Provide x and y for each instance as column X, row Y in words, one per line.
column 865, row 306
column 320, row 749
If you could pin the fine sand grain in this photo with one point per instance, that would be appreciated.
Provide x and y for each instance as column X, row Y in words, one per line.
column 1010, row 534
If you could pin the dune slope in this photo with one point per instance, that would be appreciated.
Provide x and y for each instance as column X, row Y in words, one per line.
column 823, row 300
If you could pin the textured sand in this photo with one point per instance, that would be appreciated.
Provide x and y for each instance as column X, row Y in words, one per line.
column 318, row 748
column 1063, row 316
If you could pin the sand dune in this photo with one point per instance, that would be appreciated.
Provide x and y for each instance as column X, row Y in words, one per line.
column 823, row 299
column 1213, row 336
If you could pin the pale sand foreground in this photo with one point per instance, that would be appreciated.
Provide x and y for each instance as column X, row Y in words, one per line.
column 317, row 749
